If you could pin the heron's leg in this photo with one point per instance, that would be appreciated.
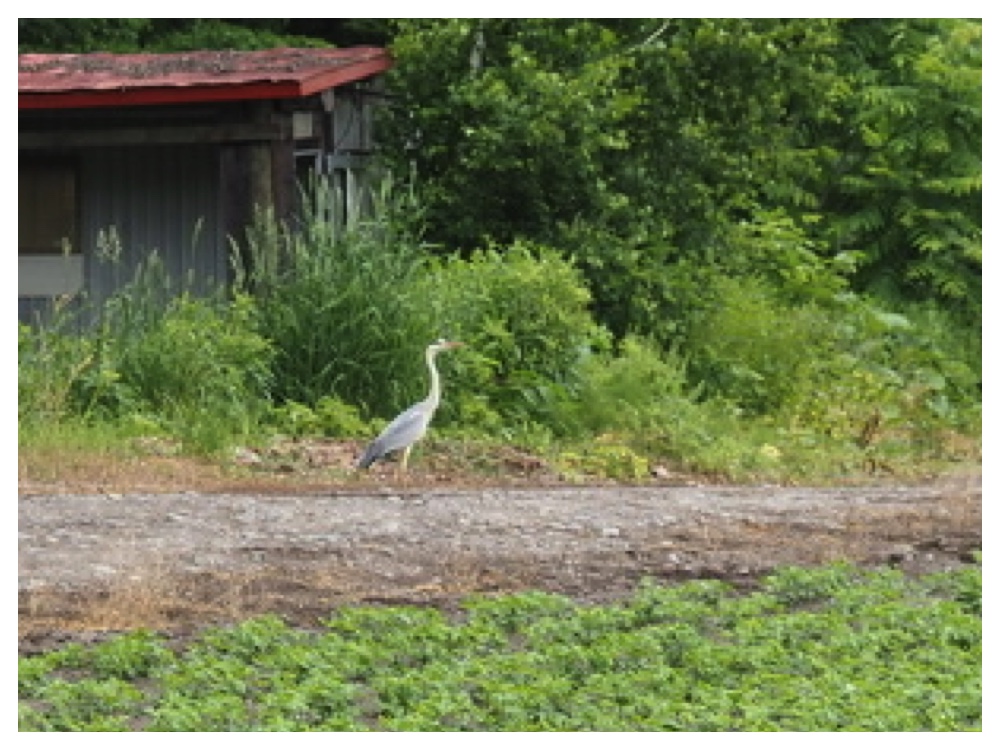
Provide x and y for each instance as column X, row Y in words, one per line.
column 401, row 468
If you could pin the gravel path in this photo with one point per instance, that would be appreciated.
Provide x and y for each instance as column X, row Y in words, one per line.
column 179, row 560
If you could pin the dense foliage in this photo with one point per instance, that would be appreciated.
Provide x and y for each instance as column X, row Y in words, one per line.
column 763, row 385
column 830, row 649
column 523, row 312
column 747, row 246
column 670, row 137
column 155, row 34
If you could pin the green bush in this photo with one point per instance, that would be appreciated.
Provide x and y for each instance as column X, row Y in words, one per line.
column 193, row 367
column 633, row 279
column 523, row 311
column 843, row 368
column 748, row 346
column 196, row 356
column 891, row 380
column 636, row 391
column 198, row 369
column 330, row 417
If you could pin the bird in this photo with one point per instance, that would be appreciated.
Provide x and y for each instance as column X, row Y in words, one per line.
column 410, row 426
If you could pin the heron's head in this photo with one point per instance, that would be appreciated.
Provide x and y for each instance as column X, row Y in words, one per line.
column 443, row 344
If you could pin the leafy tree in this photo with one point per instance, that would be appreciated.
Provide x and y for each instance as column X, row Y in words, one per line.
column 508, row 122
column 906, row 193
column 154, row 34
column 81, row 34
column 641, row 144
column 623, row 122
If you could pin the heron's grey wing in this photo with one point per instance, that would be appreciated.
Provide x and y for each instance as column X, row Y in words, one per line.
column 404, row 430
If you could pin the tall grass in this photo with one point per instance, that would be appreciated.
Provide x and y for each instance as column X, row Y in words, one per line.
column 50, row 360
column 340, row 303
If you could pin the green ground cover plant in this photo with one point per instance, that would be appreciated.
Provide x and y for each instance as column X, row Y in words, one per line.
column 837, row 648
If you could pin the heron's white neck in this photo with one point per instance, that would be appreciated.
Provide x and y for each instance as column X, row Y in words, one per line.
column 434, row 397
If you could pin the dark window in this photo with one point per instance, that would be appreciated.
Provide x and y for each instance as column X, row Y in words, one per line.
column 46, row 208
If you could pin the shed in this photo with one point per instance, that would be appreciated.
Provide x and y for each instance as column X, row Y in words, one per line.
column 129, row 154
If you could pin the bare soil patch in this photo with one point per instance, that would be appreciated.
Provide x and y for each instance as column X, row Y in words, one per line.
column 170, row 547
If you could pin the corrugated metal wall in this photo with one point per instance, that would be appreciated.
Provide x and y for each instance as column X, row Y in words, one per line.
column 139, row 200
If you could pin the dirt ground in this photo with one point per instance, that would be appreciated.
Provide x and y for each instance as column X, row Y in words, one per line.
column 95, row 561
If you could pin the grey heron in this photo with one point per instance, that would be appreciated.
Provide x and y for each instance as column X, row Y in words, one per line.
column 406, row 429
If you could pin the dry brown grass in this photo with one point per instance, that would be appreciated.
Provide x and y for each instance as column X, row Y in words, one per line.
column 178, row 603
column 287, row 466
column 55, row 470
column 73, row 473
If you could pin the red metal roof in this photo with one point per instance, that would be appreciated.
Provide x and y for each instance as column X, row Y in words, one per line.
column 99, row 79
